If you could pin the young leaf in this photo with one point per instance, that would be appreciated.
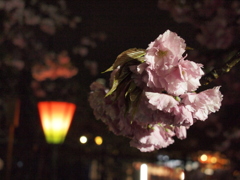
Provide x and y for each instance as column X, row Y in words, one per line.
column 127, row 56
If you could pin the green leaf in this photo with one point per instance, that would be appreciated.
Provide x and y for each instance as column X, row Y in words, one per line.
column 189, row 48
column 127, row 56
column 109, row 69
column 118, row 79
column 132, row 98
column 122, row 87
column 123, row 73
column 123, row 84
column 135, row 53
column 114, row 87
column 135, row 97
column 131, row 88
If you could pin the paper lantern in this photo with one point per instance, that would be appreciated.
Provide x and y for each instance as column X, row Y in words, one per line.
column 56, row 118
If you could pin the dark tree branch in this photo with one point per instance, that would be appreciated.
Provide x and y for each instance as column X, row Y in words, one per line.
column 217, row 72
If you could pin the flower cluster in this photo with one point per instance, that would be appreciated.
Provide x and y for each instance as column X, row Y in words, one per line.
column 152, row 97
column 53, row 75
column 27, row 26
column 43, row 15
column 56, row 66
column 217, row 21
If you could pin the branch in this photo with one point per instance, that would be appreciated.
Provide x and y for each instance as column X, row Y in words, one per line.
column 216, row 72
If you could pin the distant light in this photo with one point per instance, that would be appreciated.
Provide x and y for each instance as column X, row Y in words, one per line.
column 191, row 165
column 203, row 157
column 195, row 165
column 188, row 167
column 163, row 157
column 213, row 159
column 98, row 140
column 173, row 163
column 56, row 118
column 144, row 172
column 208, row 172
column 83, row 139
column 182, row 176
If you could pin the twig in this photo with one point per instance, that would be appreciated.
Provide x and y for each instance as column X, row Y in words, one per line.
column 216, row 72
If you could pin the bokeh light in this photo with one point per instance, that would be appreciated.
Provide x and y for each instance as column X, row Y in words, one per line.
column 98, row 140
column 83, row 139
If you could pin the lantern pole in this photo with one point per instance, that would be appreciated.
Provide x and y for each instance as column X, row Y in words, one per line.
column 54, row 161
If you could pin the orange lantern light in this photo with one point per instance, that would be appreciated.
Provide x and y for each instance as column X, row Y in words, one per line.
column 56, row 118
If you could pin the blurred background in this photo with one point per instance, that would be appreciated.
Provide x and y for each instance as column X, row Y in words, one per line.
column 52, row 50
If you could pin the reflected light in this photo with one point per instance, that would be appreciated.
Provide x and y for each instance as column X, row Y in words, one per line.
column 209, row 171
column 83, row 139
column 182, row 176
column 98, row 140
column 144, row 172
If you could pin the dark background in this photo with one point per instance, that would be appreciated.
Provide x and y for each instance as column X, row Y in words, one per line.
column 127, row 24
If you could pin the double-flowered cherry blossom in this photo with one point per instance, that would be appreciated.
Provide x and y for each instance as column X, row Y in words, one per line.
column 153, row 98
column 167, row 69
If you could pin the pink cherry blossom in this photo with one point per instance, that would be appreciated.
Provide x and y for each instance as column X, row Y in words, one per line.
column 96, row 99
column 182, row 116
column 166, row 107
column 52, row 69
column 204, row 103
column 181, row 132
column 150, row 139
column 162, row 102
column 145, row 115
column 183, row 78
column 165, row 51
column 167, row 70
column 216, row 22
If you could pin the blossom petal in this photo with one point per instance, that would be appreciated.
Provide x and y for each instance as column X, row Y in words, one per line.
column 161, row 101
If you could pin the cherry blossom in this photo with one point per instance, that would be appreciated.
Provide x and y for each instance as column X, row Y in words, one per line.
column 165, row 51
column 57, row 66
column 215, row 20
column 167, row 69
column 155, row 101
column 203, row 103
column 162, row 102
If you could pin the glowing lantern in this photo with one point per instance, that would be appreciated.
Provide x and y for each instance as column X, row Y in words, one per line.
column 56, row 118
